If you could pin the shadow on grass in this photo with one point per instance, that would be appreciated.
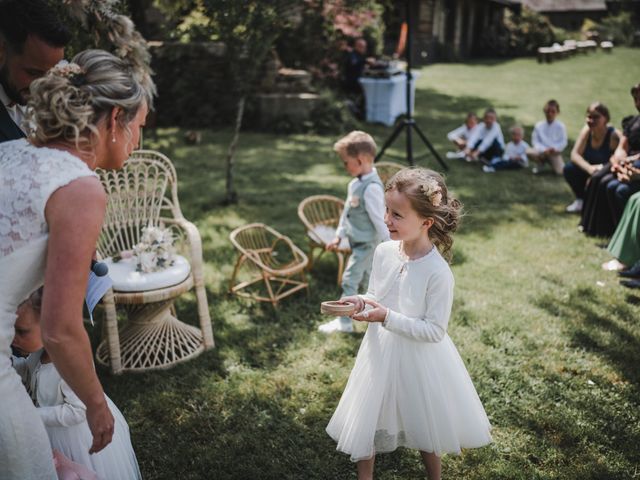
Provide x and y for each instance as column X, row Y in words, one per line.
column 576, row 407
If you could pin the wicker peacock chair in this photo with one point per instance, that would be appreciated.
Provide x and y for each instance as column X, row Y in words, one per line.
column 144, row 193
column 386, row 170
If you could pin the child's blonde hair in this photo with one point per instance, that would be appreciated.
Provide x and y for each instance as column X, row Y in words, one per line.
column 356, row 143
column 35, row 299
column 516, row 128
column 430, row 198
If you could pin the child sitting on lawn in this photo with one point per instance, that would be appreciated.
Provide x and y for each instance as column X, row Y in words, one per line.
column 460, row 135
column 515, row 153
column 362, row 221
column 486, row 141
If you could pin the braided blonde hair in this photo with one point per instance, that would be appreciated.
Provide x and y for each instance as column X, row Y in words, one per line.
column 430, row 198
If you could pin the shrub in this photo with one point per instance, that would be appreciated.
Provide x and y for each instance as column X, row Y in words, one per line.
column 519, row 34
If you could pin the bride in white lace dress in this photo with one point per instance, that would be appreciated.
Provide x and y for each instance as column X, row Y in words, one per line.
column 86, row 114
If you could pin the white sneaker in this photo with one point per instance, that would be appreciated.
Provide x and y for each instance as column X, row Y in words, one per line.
column 535, row 170
column 455, row 155
column 575, row 207
column 336, row 325
column 488, row 169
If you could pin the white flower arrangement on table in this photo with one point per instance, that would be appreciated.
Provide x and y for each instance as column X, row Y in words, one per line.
column 155, row 250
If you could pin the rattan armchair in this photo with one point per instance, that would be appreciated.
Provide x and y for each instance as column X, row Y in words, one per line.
column 144, row 193
column 386, row 170
column 320, row 214
column 268, row 259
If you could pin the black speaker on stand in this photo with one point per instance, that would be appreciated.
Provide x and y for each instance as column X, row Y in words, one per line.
column 408, row 123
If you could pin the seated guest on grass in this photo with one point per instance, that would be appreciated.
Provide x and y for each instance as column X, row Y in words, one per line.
column 597, row 219
column 625, row 243
column 486, row 142
column 460, row 135
column 625, row 167
column 595, row 144
column 548, row 140
column 515, row 153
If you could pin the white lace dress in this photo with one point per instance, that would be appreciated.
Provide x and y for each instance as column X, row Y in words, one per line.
column 65, row 420
column 28, row 177
column 409, row 386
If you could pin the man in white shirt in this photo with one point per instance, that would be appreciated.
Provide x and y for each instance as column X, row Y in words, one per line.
column 32, row 40
column 486, row 141
column 548, row 139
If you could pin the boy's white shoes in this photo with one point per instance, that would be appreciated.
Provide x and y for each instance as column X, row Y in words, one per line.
column 488, row 169
column 336, row 325
column 455, row 155
column 575, row 207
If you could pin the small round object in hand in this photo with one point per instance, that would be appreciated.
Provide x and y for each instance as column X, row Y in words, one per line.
column 337, row 308
column 365, row 314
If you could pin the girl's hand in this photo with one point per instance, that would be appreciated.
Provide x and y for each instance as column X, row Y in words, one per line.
column 356, row 300
column 377, row 314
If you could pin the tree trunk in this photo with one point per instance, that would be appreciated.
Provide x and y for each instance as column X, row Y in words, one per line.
column 232, row 196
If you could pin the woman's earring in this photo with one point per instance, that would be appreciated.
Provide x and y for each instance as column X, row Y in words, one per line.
column 113, row 139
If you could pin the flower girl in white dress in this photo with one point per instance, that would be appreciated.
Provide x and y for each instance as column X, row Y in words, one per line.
column 61, row 411
column 409, row 386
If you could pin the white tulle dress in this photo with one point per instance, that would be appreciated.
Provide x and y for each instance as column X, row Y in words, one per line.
column 65, row 420
column 28, row 177
column 409, row 386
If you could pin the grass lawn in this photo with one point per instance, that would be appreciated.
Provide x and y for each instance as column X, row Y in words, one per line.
column 551, row 341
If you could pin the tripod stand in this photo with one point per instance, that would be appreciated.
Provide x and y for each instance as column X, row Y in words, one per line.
column 408, row 123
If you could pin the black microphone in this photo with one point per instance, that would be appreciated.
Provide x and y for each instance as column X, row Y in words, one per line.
column 99, row 268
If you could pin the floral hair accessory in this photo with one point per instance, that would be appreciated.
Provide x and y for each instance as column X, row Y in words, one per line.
column 432, row 191
column 72, row 71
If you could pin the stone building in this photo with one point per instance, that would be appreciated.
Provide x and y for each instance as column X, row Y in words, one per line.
column 452, row 29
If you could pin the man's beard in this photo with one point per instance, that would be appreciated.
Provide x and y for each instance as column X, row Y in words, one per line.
column 12, row 93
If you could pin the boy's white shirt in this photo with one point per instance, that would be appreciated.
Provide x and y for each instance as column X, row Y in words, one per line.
column 373, row 204
column 549, row 135
column 487, row 136
column 517, row 150
column 461, row 132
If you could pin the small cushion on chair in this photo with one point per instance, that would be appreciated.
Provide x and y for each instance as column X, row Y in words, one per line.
column 126, row 279
column 325, row 234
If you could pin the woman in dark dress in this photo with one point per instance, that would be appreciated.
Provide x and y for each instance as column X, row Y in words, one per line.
column 591, row 164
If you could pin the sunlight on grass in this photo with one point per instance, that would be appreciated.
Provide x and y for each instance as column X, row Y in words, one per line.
column 551, row 341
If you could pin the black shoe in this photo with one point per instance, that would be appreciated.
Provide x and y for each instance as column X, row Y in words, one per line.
column 631, row 283
column 631, row 272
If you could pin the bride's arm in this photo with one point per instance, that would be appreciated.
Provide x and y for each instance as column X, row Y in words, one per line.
column 74, row 214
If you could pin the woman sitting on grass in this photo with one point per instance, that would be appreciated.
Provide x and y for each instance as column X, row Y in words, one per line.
column 590, row 161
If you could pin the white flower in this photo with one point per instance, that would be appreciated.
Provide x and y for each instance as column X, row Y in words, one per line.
column 432, row 191
column 155, row 250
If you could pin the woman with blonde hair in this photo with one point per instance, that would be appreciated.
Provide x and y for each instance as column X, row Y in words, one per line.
column 84, row 115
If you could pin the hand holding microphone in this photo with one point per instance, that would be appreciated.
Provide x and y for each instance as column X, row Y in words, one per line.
column 99, row 268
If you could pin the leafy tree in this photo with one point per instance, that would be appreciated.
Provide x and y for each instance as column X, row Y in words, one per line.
column 249, row 30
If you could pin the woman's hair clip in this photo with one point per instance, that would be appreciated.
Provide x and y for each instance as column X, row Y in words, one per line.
column 72, row 71
column 431, row 189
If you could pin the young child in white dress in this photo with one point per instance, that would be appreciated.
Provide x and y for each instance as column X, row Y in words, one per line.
column 61, row 411
column 409, row 386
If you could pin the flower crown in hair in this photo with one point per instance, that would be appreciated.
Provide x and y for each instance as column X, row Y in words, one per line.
column 431, row 189
column 72, row 71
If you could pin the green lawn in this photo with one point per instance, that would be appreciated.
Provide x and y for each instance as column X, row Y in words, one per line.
column 551, row 341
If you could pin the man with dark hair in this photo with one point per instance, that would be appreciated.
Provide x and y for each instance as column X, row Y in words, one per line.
column 32, row 40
